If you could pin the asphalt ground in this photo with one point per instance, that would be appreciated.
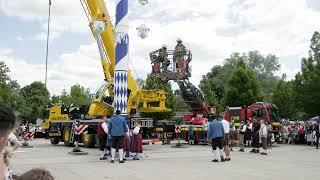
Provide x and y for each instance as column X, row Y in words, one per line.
column 162, row 162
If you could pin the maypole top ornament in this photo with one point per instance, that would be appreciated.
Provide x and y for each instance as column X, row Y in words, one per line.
column 143, row 2
column 98, row 26
column 143, row 31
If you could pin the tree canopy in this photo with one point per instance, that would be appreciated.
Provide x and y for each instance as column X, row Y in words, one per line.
column 242, row 88
column 261, row 68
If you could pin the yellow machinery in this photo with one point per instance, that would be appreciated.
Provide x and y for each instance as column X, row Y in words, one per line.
column 57, row 113
column 59, row 124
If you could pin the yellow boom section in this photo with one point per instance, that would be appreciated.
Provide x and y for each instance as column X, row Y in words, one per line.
column 139, row 99
column 97, row 11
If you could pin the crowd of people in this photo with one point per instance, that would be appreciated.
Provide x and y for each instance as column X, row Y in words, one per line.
column 254, row 133
column 220, row 132
column 116, row 139
column 300, row 133
column 115, row 136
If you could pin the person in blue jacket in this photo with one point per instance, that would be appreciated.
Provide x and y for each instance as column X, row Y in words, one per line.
column 216, row 136
column 117, row 129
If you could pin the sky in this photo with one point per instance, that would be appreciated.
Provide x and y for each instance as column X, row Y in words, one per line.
column 211, row 29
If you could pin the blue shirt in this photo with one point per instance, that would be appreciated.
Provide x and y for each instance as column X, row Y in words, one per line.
column 215, row 129
column 190, row 131
column 117, row 126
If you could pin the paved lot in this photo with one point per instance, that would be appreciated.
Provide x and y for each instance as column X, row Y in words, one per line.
column 166, row 163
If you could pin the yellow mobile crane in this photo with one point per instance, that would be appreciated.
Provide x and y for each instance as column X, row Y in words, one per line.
column 61, row 120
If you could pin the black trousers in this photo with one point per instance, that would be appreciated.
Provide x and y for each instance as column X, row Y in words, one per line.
column 117, row 142
column 102, row 142
column 217, row 143
column 255, row 140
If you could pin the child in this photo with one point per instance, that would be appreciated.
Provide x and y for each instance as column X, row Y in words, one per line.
column 36, row 174
column 137, row 148
column 7, row 122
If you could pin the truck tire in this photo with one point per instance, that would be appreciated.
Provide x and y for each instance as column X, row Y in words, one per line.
column 88, row 140
column 46, row 135
column 54, row 141
column 66, row 136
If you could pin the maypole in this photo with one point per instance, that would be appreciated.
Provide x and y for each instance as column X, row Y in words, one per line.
column 122, row 57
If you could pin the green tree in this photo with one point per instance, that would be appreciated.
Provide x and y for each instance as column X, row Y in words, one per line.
column 306, row 83
column 140, row 82
column 242, row 87
column 36, row 97
column 78, row 96
column 208, row 92
column 283, row 97
column 9, row 90
column 55, row 99
column 179, row 103
column 214, row 83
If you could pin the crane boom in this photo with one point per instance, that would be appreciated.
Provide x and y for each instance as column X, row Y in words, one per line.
column 139, row 99
column 97, row 11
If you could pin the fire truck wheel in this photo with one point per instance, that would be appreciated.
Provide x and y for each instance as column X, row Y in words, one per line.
column 54, row 140
column 88, row 140
column 66, row 137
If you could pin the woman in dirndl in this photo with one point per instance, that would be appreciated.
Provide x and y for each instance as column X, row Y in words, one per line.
column 126, row 145
column 137, row 142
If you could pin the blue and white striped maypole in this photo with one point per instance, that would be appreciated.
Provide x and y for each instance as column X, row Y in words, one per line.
column 122, row 58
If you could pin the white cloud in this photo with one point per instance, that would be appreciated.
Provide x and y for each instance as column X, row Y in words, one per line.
column 19, row 38
column 66, row 16
column 5, row 51
column 80, row 67
column 43, row 36
column 212, row 30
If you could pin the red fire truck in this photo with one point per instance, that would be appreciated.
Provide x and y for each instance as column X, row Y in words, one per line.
column 259, row 110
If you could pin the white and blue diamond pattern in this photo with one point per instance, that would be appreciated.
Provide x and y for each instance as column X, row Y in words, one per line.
column 120, row 91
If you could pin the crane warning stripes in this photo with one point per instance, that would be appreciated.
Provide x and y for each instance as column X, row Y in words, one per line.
column 29, row 135
column 81, row 129
column 177, row 129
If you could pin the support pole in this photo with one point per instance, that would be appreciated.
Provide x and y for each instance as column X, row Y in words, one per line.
column 47, row 50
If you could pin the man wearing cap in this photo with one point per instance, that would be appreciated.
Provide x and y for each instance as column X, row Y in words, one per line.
column 163, row 57
column 178, row 59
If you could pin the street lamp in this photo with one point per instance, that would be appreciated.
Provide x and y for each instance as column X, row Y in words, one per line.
column 47, row 51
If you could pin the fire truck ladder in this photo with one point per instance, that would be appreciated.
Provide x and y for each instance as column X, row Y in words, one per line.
column 192, row 96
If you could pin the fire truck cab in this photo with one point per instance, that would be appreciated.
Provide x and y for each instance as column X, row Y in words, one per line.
column 258, row 110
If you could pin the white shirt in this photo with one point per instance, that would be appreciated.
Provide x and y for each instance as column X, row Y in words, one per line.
column 136, row 130
column 11, row 137
column 263, row 132
column 244, row 128
column 226, row 126
column 105, row 127
column 7, row 172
